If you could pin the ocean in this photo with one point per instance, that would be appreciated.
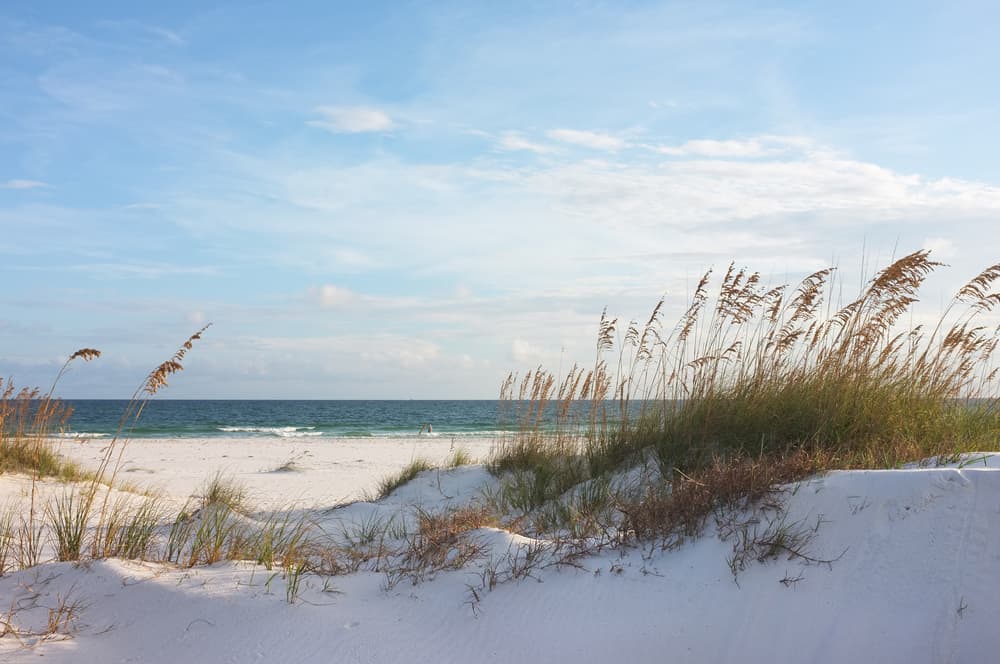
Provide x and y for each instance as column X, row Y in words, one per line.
column 169, row 418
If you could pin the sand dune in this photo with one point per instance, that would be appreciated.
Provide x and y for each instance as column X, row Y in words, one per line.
column 915, row 578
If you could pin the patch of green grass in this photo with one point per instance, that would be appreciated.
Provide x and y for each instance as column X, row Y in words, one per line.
column 67, row 515
column 7, row 539
column 224, row 491
column 459, row 457
column 392, row 482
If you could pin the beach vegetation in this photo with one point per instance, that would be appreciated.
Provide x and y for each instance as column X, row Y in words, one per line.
column 459, row 457
column 69, row 523
column 30, row 422
column 754, row 387
column 440, row 541
column 390, row 483
column 129, row 529
column 712, row 422
column 8, row 535
column 222, row 490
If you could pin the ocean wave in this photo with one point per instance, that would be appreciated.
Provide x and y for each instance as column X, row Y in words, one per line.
column 274, row 430
column 81, row 434
column 487, row 433
column 332, row 431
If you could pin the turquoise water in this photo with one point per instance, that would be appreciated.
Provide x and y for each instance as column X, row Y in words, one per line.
column 287, row 419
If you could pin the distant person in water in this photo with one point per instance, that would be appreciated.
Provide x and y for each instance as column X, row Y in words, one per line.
column 428, row 427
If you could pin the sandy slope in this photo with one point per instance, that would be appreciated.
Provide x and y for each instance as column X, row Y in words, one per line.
column 918, row 581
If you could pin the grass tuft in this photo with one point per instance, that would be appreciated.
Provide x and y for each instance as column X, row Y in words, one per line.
column 459, row 457
column 392, row 482
column 224, row 491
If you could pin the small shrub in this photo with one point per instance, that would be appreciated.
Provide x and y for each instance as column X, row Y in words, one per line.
column 441, row 541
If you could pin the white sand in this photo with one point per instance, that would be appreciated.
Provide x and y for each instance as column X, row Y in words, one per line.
column 328, row 470
column 918, row 580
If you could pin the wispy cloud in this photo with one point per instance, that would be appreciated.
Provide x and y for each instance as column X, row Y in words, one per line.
column 331, row 296
column 125, row 27
column 353, row 119
column 524, row 353
column 940, row 247
column 588, row 139
column 514, row 141
column 751, row 147
column 125, row 270
column 23, row 184
column 168, row 36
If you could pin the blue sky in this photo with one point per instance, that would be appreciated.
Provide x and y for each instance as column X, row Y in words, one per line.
column 407, row 200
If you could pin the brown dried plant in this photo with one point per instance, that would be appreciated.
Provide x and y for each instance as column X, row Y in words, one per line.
column 115, row 450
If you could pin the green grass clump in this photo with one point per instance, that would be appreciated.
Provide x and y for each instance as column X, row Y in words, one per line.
column 392, row 482
column 67, row 515
column 224, row 491
column 459, row 457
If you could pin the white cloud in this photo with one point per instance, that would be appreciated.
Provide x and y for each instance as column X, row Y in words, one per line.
column 678, row 193
column 168, row 35
column 667, row 103
column 588, row 139
column 330, row 296
column 22, row 184
column 940, row 247
column 524, row 352
column 353, row 119
column 354, row 352
column 513, row 141
column 752, row 147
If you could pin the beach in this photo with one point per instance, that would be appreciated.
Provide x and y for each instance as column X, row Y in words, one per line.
column 313, row 472
column 910, row 575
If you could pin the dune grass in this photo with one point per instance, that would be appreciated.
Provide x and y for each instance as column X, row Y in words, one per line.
column 28, row 421
column 220, row 490
column 762, row 376
column 751, row 390
column 459, row 457
column 390, row 483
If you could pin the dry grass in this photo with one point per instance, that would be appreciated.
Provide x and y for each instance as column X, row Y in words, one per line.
column 441, row 541
column 28, row 420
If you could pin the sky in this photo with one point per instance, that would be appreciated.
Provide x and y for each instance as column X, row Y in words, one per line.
column 410, row 199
